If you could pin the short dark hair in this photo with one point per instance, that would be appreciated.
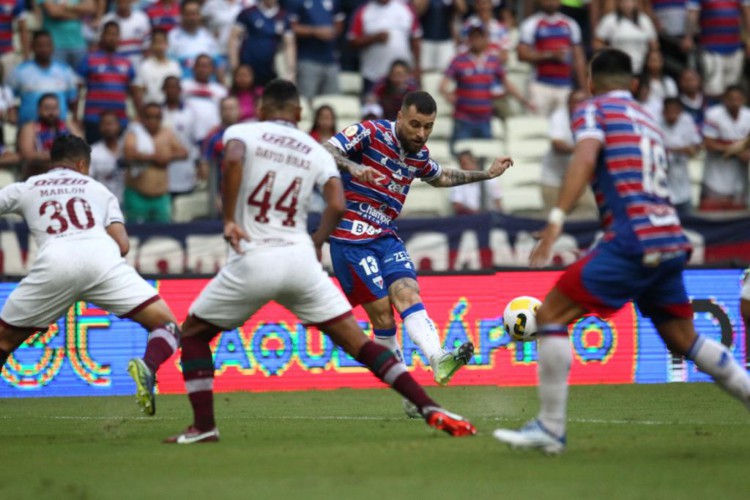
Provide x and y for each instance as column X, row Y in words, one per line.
column 48, row 95
column 169, row 79
column 40, row 34
column 109, row 24
column 160, row 32
column 611, row 62
column 673, row 101
column 69, row 148
column 109, row 112
column 204, row 56
column 421, row 100
column 187, row 2
column 733, row 88
column 280, row 94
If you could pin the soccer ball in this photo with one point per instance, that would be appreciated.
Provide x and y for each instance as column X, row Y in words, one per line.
column 520, row 318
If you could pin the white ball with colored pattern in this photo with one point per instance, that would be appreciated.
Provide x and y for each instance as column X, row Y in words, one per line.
column 519, row 318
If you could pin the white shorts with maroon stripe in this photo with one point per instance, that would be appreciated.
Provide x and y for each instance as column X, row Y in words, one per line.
column 78, row 270
column 290, row 275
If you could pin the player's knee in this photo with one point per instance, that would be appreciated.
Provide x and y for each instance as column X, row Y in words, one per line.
column 404, row 293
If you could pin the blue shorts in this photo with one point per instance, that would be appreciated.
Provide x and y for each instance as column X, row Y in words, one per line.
column 605, row 280
column 366, row 270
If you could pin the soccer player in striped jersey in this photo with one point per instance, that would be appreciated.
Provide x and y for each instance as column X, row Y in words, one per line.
column 269, row 172
column 620, row 149
column 369, row 259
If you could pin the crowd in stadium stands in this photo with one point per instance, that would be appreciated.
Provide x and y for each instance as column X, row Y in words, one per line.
column 152, row 85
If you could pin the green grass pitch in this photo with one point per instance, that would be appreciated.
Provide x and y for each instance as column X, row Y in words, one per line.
column 640, row 442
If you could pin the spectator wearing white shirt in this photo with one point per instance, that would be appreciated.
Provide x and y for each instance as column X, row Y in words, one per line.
column 629, row 30
column 219, row 17
column 204, row 95
column 135, row 30
column 551, row 43
column 725, row 180
column 661, row 85
column 683, row 142
column 189, row 40
column 467, row 198
column 184, row 121
column 555, row 162
column 385, row 31
column 106, row 155
column 151, row 73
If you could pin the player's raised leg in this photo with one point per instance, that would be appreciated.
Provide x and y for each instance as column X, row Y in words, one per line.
column 163, row 341
column 384, row 364
column 404, row 293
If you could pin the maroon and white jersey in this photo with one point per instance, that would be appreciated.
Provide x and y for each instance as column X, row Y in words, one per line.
column 63, row 204
column 282, row 167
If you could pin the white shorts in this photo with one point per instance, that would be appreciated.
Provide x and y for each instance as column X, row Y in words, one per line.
column 547, row 98
column 436, row 56
column 83, row 271
column 721, row 71
column 291, row 276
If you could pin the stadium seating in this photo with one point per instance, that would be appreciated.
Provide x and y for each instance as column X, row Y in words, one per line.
column 347, row 107
column 426, row 201
column 350, row 83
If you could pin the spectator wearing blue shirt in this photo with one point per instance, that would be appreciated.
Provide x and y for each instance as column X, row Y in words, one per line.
column 41, row 75
column 64, row 21
column 259, row 33
column 437, row 18
column 316, row 25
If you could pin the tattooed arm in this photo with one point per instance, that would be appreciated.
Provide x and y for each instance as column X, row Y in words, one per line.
column 450, row 177
column 359, row 172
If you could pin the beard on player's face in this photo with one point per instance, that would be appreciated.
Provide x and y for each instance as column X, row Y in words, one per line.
column 413, row 129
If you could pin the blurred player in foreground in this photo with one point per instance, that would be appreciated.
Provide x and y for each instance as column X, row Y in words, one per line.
column 269, row 172
column 79, row 229
column 641, row 258
column 369, row 259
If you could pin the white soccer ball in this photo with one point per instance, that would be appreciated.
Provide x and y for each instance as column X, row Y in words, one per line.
column 519, row 318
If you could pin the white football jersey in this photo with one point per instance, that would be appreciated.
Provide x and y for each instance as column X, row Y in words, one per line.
column 282, row 167
column 62, row 204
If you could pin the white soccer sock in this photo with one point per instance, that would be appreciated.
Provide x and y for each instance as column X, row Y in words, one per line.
column 715, row 359
column 387, row 338
column 422, row 331
column 554, row 358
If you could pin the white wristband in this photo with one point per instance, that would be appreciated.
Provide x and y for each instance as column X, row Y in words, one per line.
column 556, row 217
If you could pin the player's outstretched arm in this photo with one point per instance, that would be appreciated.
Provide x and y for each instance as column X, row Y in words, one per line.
column 450, row 177
column 117, row 232
column 580, row 170
column 333, row 194
column 359, row 172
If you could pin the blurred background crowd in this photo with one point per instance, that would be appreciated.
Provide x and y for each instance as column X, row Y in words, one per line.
column 152, row 85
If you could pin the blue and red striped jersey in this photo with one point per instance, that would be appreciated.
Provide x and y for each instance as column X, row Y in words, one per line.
column 371, row 209
column 720, row 24
column 479, row 79
column 551, row 33
column 630, row 180
column 107, row 78
column 212, row 147
column 163, row 16
column 46, row 135
column 9, row 10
